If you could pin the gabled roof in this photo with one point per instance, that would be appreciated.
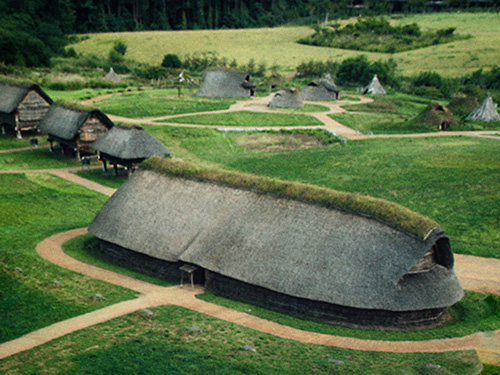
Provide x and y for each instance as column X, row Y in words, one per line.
column 485, row 112
column 129, row 143
column 64, row 122
column 374, row 87
column 292, row 247
column 223, row 82
column 11, row 95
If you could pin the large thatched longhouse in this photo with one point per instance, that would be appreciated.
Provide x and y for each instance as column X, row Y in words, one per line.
column 225, row 83
column 74, row 129
column 283, row 244
column 22, row 106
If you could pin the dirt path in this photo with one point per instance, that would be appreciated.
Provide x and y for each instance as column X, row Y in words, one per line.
column 486, row 343
column 259, row 104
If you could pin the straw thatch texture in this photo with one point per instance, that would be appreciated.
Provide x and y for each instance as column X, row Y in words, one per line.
column 112, row 76
column 129, row 143
column 374, row 87
column 320, row 89
column 12, row 95
column 65, row 123
column 290, row 247
column 225, row 83
column 286, row 99
column 485, row 112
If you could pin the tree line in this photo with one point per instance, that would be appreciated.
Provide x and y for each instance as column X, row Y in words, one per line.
column 41, row 26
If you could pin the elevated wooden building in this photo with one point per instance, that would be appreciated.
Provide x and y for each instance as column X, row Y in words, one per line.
column 127, row 146
column 22, row 106
column 73, row 129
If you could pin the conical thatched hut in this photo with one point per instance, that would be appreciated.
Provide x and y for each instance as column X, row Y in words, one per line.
column 485, row 112
column 74, row 129
column 112, row 76
column 321, row 89
column 275, row 243
column 374, row 88
column 286, row 99
column 22, row 106
column 127, row 146
column 436, row 116
column 226, row 83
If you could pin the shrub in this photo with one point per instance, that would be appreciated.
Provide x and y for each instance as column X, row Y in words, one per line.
column 171, row 61
column 120, row 47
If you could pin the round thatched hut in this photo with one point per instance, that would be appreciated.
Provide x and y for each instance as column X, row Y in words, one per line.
column 485, row 112
column 225, row 83
column 286, row 99
column 374, row 87
column 321, row 89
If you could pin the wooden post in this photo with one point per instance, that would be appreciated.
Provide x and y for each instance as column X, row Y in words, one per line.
column 18, row 127
column 104, row 166
column 116, row 169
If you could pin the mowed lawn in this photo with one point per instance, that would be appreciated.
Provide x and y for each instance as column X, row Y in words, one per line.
column 278, row 46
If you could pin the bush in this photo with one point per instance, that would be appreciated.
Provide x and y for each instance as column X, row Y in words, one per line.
column 171, row 61
column 120, row 47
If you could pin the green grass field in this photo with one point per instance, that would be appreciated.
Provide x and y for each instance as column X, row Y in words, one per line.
column 452, row 60
column 35, row 159
column 167, row 344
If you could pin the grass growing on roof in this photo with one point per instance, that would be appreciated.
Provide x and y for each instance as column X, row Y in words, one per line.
column 248, row 119
column 166, row 344
column 387, row 212
column 149, row 104
column 476, row 312
column 33, row 207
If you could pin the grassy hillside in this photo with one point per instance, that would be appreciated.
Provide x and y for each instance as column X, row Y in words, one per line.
column 277, row 46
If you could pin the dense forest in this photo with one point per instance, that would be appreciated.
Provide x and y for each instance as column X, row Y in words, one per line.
column 41, row 26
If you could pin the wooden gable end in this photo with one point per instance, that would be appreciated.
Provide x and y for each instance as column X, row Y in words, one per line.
column 31, row 110
column 91, row 129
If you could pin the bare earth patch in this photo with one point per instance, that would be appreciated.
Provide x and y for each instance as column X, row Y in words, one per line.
column 278, row 141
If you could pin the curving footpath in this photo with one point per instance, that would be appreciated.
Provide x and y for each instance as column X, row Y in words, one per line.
column 487, row 344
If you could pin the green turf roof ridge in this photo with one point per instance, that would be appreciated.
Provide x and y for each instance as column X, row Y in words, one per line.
column 390, row 213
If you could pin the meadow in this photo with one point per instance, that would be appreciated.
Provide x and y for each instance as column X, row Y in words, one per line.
column 450, row 60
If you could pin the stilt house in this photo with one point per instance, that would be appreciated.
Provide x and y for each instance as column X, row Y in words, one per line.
column 286, row 99
column 321, row 89
column 22, row 106
column 225, row 83
column 127, row 146
column 281, row 246
column 73, row 129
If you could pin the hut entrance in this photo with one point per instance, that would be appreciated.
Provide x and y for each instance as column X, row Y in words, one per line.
column 194, row 275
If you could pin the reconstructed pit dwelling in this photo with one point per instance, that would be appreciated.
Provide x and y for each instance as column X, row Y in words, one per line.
column 291, row 246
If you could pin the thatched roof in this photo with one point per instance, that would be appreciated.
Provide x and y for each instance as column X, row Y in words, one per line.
column 286, row 99
column 485, row 112
column 11, row 95
column 320, row 89
column 374, row 87
column 435, row 116
column 225, row 83
column 65, row 122
column 112, row 76
column 129, row 143
column 292, row 247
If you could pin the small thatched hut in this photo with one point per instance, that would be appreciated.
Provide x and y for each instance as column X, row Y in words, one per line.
column 225, row 83
column 277, row 249
column 127, row 146
column 436, row 116
column 74, row 129
column 286, row 99
column 22, row 106
column 112, row 76
column 485, row 112
column 374, row 87
column 321, row 89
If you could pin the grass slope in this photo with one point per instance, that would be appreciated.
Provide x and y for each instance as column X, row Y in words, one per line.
column 168, row 344
column 33, row 207
column 277, row 46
